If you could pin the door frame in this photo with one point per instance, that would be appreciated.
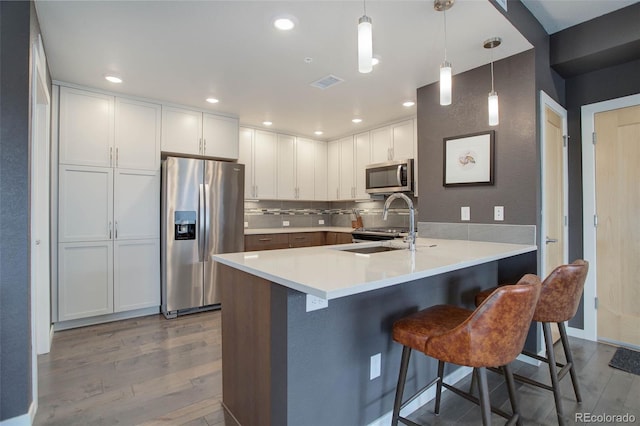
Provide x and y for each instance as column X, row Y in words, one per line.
column 588, row 112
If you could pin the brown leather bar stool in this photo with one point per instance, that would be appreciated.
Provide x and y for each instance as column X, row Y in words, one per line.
column 491, row 336
column 558, row 302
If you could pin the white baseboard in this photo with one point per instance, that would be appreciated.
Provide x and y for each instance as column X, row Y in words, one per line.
column 532, row 361
column 577, row 332
column 424, row 397
column 25, row 419
column 65, row 325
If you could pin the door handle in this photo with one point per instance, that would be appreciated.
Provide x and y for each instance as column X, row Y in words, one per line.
column 109, row 230
column 201, row 223
column 116, row 230
column 551, row 240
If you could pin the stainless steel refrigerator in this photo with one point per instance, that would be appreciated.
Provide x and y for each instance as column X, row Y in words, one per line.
column 202, row 214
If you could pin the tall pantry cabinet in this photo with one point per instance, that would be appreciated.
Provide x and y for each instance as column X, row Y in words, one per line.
column 108, row 201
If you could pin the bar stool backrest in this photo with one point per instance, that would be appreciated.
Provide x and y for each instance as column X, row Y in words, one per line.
column 495, row 333
column 561, row 291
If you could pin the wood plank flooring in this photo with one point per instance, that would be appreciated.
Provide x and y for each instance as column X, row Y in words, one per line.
column 152, row 371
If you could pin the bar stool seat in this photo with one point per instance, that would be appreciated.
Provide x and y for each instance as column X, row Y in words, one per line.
column 491, row 336
column 559, row 299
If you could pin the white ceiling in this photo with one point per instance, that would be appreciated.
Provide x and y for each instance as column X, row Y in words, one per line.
column 185, row 51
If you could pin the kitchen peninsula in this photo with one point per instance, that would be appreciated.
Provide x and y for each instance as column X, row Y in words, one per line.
column 286, row 362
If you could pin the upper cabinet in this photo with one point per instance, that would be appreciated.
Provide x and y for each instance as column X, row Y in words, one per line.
column 86, row 128
column 320, row 171
column 259, row 153
column 106, row 131
column 192, row 132
column 393, row 142
column 362, row 148
column 296, row 168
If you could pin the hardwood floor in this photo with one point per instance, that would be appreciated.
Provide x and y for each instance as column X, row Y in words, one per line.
column 153, row 371
column 142, row 371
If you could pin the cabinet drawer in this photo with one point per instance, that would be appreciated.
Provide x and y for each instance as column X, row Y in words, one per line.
column 306, row 239
column 266, row 242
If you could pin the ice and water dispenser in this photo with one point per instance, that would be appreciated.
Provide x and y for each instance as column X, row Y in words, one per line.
column 185, row 225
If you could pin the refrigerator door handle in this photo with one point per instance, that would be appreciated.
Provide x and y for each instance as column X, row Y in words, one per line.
column 201, row 225
column 207, row 224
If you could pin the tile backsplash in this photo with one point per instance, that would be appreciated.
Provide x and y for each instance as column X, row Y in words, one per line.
column 271, row 214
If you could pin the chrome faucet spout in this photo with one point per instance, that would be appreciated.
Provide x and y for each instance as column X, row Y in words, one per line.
column 385, row 211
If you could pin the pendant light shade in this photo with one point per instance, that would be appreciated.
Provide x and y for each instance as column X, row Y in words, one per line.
column 445, row 67
column 492, row 101
column 493, row 109
column 445, row 83
column 365, row 45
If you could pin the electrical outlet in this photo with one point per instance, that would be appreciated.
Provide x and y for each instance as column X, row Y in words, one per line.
column 320, row 221
column 374, row 368
column 285, row 223
column 498, row 212
column 465, row 213
column 246, row 224
column 314, row 303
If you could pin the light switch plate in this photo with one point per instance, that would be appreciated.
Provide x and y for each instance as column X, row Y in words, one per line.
column 498, row 212
column 285, row 223
column 320, row 221
column 374, row 368
column 246, row 224
column 465, row 213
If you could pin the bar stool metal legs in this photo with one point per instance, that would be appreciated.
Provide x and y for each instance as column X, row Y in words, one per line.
column 569, row 358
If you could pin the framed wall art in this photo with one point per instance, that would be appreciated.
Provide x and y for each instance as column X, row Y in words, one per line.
column 468, row 159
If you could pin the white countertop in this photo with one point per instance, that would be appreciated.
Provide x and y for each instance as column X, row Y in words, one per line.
column 329, row 272
column 290, row 230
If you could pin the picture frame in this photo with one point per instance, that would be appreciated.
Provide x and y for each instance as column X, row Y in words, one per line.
column 468, row 159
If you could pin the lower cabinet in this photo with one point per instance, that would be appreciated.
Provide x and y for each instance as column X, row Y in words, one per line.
column 103, row 277
column 294, row 240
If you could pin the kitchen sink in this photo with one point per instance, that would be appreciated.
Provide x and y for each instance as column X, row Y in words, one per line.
column 369, row 250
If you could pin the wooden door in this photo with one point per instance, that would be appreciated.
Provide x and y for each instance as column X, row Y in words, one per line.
column 617, row 174
column 554, row 218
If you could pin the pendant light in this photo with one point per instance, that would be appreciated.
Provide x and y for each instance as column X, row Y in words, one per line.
column 493, row 95
column 445, row 67
column 365, row 43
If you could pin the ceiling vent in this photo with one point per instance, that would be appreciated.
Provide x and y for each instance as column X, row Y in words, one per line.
column 326, row 82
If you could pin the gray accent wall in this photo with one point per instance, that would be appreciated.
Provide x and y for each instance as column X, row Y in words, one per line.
column 15, row 324
column 516, row 175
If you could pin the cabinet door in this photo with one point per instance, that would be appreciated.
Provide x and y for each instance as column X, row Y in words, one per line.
column 265, row 148
column 136, row 207
column 219, row 136
column 362, row 158
column 86, row 128
column 245, row 156
column 136, row 274
column 286, row 167
column 333, row 170
column 257, row 242
column 305, row 169
column 403, row 140
column 347, row 185
column 381, row 142
column 85, row 203
column 320, row 170
column 181, row 131
column 85, row 280
column 137, row 140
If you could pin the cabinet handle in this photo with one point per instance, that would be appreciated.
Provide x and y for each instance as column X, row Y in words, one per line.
column 116, row 233
column 110, row 159
column 109, row 230
column 300, row 238
column 265, row 239
column 256, row 191
column 204, row 146
column 117, row 157
column 200, row 146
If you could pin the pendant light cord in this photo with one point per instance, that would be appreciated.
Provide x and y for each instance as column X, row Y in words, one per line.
column 492, row 89
column 445, row 34
column 364, row 3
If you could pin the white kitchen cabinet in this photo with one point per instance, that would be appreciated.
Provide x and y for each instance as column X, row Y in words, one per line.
column 136, row 274
column 136, row 206
column 305, row 169
column 219, row 136
column 137, row 135
column 86, row 131
column 85, row 285
column 259, row 153
column 347, row 172
column 320, row 171
column 285, row 169
column 192, row 132
column 393, row 142
column 362, row 148
column 85, row 203
column 333, row 170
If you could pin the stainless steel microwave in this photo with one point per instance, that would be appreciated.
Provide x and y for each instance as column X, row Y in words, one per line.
column 393, row 176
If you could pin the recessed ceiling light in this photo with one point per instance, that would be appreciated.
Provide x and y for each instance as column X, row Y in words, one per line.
column 212, row 100
column 408, row 104
column 267, row 123
column 113, row 79
column 284, row 23
column 357, row 120
column 318, row 132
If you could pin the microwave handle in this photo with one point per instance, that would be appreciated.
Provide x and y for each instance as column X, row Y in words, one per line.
column 399, row 174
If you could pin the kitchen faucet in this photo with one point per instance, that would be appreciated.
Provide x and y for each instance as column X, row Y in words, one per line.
column 411, row 238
